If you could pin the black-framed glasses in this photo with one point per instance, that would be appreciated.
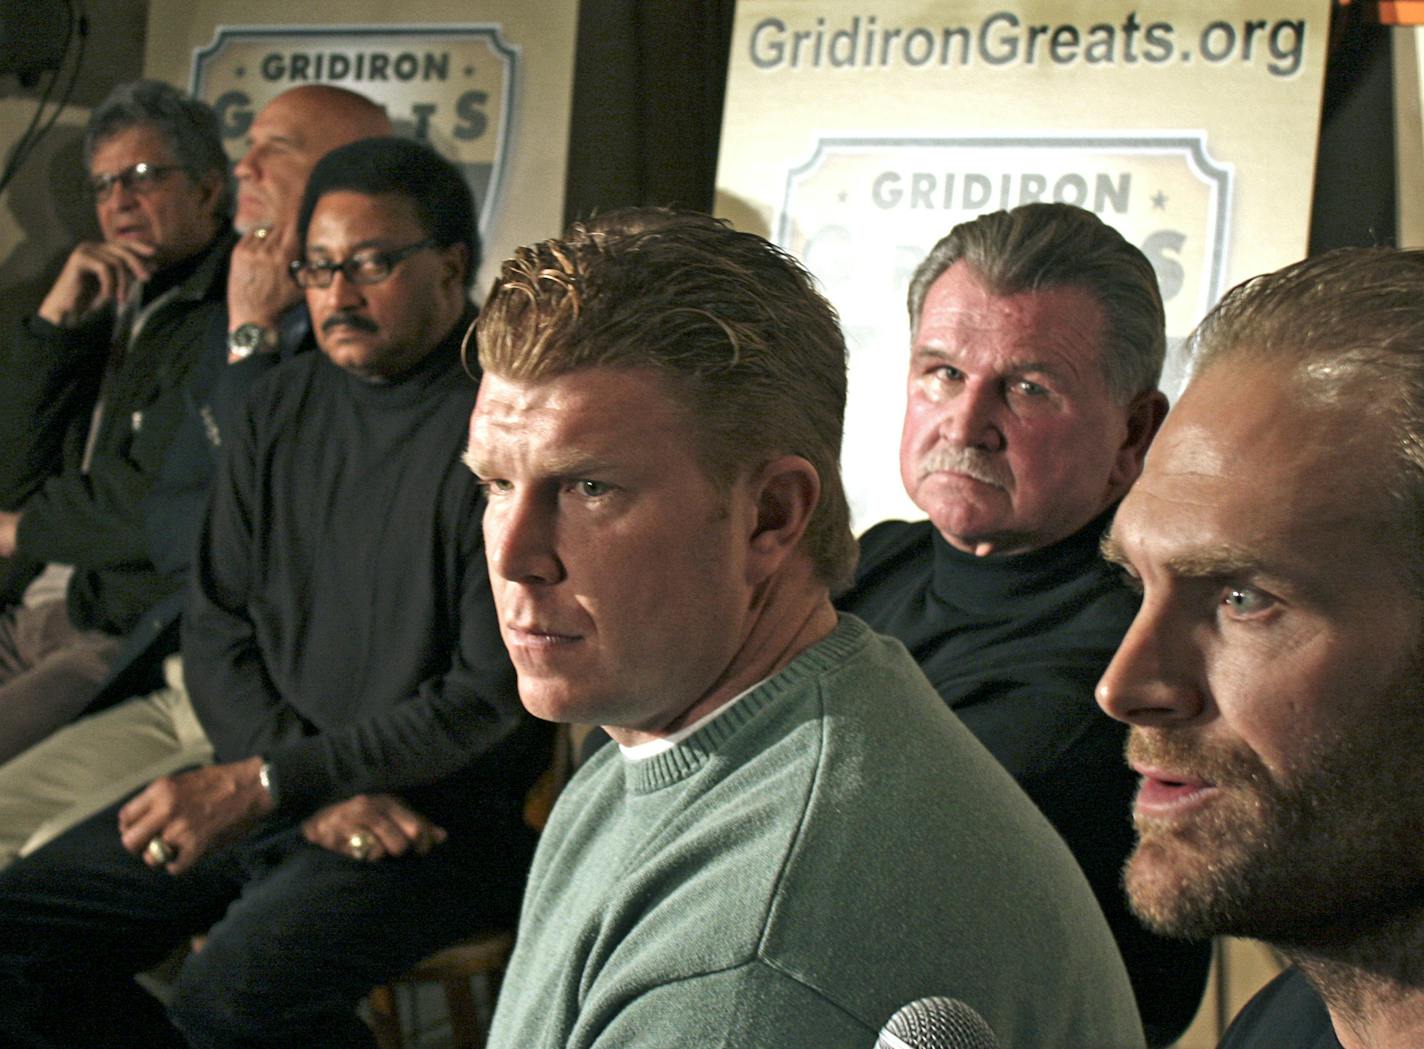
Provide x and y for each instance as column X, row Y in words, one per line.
column 143, row 177
column 370, row 266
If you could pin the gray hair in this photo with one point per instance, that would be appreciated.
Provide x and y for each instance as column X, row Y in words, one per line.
column 189, row 128
column 1037, row 246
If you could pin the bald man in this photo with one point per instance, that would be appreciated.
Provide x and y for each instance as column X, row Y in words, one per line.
column 287, row 138
column 141, row 724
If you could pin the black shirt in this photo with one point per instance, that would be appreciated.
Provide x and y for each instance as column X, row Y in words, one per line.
column 1285, row 1014
column 1015, row 646
column 340, row 622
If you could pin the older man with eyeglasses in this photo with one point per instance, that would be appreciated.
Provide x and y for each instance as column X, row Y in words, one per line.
column 344, row 658
column 91, row 393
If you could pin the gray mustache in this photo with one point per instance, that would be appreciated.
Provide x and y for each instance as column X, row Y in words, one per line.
column 971, row 462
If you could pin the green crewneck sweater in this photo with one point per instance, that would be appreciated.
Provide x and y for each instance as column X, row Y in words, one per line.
column 830, row 847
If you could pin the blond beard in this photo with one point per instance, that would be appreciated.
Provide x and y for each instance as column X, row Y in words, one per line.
column 1324, row 855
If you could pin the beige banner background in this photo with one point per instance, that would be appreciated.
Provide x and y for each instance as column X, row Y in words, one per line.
column 529, row 204
column 1408, row 46
column 856, row 134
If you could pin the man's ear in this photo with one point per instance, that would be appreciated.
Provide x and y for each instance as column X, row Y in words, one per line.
column 786, row 491
column 211, row 186
column 1144, row 418
column 457, row 263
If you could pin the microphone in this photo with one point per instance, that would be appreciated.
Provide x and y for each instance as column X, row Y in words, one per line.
column 936, row 1023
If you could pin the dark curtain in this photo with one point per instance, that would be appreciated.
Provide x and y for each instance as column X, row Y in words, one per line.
column 649, row 79
column 1354, row 203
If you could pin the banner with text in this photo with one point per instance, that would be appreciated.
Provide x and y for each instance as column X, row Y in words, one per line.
column 452, row 87
column 857, row 135
column 493, row 94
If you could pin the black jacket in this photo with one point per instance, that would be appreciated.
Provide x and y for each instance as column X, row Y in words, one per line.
column 173, row 509
column 49, row 383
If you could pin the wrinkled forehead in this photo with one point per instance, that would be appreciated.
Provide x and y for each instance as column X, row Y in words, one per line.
column 590, row 408
column 271, row 127
column 1062, row 326
column 348, row 218
column 300, row 120
column 128, row 145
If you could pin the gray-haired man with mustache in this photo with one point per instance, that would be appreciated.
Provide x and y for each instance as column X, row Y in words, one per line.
column 1038, row 339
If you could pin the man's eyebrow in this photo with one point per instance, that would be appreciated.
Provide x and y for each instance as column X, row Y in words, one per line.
column 938, row 351
column 1213, row 561
column 571, row 463
column 555, row 464
column 1206, row 563
column 952, row 356
column 294, row 141
column 369, row 244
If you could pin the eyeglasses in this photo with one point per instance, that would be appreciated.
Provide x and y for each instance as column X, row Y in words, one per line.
column 141, row 178
column 365, row 267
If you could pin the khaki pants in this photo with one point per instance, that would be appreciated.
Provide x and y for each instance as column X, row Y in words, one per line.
column 94, row 762
column 49, row 671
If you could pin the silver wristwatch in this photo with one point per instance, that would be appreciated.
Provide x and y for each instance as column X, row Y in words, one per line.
column 264, row 777
column 247, row 339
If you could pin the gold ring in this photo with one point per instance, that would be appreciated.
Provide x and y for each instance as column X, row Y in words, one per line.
column 160, row 852
column 261, row 232
column 360, row 844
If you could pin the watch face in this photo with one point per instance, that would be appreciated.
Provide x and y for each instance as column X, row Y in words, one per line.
column 248, row 339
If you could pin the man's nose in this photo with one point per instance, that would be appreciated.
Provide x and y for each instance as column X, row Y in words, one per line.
column 970, row 419
column 520, row 538
column 1155, row 677
column 344, row 292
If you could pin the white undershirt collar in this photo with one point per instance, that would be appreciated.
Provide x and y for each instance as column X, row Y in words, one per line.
column 653, row 747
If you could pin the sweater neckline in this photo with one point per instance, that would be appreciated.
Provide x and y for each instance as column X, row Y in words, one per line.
column 960, row 576
column 692, row 754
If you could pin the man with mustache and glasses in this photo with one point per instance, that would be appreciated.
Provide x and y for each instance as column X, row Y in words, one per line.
column 345, row 661
column 91, row 393
column 1274, row 677
column 1037, row 342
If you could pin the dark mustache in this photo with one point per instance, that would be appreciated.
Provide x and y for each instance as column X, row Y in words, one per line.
column 349, row 319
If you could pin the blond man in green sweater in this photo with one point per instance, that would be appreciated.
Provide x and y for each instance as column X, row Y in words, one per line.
column 794, row 836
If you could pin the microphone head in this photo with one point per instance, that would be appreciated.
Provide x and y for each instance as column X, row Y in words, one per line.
column 936, row 1023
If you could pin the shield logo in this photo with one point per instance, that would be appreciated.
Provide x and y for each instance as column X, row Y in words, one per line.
column 449, row 86
column 1164, row 192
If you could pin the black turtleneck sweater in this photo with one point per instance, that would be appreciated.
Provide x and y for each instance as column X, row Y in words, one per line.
column 340, row 621
column 1015, row 646
column 1289, row 1012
